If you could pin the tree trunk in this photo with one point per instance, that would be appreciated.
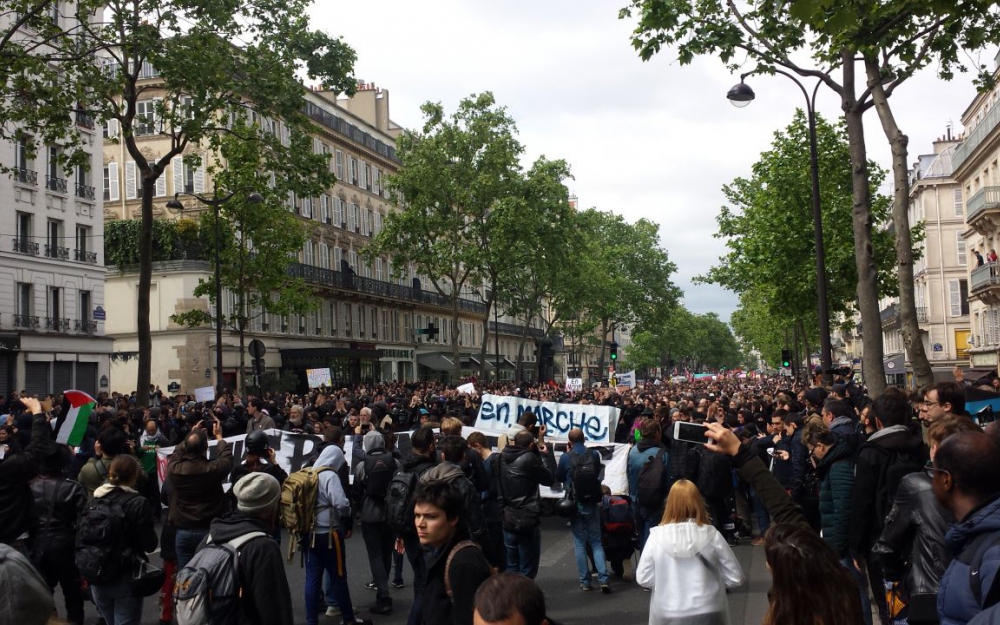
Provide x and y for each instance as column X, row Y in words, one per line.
column 144, row 337
column 796, row 359
column 519, row 374
column 864, row 252
column 604, row 344
column 805, row 346
column 901, row 218
column 457, row 373
column 484, row 348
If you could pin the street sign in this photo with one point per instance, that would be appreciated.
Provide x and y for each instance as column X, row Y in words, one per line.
column 208, row 373
column 99, row 314
column 257, row 349
column 173, row 387
column 104, row 381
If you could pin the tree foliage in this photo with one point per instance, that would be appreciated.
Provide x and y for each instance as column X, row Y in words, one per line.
column 687, row 341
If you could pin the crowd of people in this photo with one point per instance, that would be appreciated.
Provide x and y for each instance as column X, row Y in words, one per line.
column 887, row 505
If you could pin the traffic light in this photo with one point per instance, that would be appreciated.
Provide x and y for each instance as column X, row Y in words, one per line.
column 786, row 358
column 614, row 352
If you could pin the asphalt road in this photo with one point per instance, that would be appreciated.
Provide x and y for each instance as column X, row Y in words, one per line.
column 567, row 604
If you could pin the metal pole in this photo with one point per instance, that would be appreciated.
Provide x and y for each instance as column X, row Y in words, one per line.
column 218, row 298
column 825, row 355
column 496, row 336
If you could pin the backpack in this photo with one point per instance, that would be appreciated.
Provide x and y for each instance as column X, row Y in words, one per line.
column 463, row 544
column 898, row 466
column 399, row 501
column 207, row 591
column 298, row 503
column 586, row 478
column 378, row 473
column 652, row 483
column 100, row 541
column 618, row 517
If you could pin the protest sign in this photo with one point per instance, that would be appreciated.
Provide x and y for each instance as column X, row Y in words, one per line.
column 319, row 377
column 499, row 412
column 574, row 384
column 467, row 389
column 626, row 379
column 204, row 394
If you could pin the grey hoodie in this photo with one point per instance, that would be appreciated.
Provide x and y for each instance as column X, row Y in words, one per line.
column 372, row 510
column 332, row 504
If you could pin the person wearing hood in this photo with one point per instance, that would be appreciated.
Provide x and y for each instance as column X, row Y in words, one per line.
column 150, row 440
column 687, row 564
column 371, row 484
column 324, row 549
column 114, row 599
column 646, row 449
column 265, row 598
column 454, row 449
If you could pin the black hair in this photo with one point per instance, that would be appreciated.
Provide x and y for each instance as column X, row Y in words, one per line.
column 196, row 442
column 442, row 495
column 453, row 448
column 422, row 439
column 112, row 440
column 951, row 393
column 892, row 407
column 973, row 460
column 502, row 596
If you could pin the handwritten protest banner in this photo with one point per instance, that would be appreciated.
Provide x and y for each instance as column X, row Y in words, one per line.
column 574, row 384
column 498, row 412
column 626, row 379
column 319, row 377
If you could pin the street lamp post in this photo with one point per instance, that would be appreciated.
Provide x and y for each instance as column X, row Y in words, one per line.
column 496, row 336
column 216, row 203
column 742, row 95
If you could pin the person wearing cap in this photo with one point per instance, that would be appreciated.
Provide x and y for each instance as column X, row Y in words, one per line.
column 265, row 598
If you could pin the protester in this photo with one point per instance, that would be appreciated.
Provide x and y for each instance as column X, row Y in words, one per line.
column 17, row 468
column 944, row 398
column 151, row 440
column 687, row 563
column 258, row 417
column 510, row 599
column 26, row 598
column 111, row 443
column 371, row 485
column 422, row 457
column 522, row 467
column 648, row 504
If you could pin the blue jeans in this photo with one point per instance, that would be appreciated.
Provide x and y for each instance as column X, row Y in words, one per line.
column 415, row 554
column 763, row 518
column 587, row 530
column 859, row 577
column 186, row 544
column 326, row 554
column 524, row 550
column 646, row 520
column 115, row 602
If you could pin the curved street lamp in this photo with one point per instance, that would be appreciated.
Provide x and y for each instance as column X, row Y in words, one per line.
column 216, row 202
column 741, row 95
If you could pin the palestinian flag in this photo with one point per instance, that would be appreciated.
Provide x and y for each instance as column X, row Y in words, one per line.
column 72, row 422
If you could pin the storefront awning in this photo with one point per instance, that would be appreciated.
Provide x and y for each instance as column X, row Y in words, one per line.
column 895, row 365
column 437, row 362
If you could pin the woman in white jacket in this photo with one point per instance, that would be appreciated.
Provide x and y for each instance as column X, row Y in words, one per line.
column 687, row 564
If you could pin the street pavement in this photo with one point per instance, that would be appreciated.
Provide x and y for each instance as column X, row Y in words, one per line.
column 567, row 604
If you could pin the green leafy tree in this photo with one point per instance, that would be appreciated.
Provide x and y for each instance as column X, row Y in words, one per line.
column 458, row 179
column 767, row 210
column 262, row 238
column 213, row 60
column 892, row 40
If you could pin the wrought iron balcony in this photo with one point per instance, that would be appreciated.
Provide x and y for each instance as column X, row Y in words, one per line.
column 922, row 314
column 54, row 251
column 85, row 191
column 55, row 184
column 57, row 324
column 25, row 176
column 84, row 256
column 85, row 120
column 84, row 325
column 25, row 246
column 29, row 322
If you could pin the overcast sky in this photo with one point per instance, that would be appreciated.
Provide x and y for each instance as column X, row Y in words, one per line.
column 655, row 140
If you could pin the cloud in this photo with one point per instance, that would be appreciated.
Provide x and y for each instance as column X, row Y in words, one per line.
column 655, row 140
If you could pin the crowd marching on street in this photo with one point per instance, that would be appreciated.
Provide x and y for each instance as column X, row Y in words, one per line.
column 867, row 509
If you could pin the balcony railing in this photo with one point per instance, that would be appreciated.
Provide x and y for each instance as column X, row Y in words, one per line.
column 57, row 324
column 25, row 176
column 976, row 137
column 85, row 120
column 26, row 321
column 922, row 314
column 24, row 246
column 55, row 184
column 984, row 277
column 985, row 199
column 352, row 282
column 84, row 325
column 84, row 256
column 85, row 191
column 54, row 251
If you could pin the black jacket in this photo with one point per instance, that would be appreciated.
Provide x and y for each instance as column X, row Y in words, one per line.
column 912, row 546
column 715, row 476
column 771, row 492
column 266, row 599
column 198, row 496
column 140, row 529
column 873, row 458
column 469, row 568
column 522, row 471
column 16, row 470
column 58, row 504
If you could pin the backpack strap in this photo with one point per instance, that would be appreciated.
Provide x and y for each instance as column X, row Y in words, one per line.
column 101, row 468
column 239, row 541
column 462, row 544
column 978, row 547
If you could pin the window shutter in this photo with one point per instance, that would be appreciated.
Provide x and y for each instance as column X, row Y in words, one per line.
column 960, row 247
column 113, row 193
column 324, row 208
column 199, row 178
column 130, row 182
column 112, row 129
column 955, row 298
column 959, row 205
column 161, row 185
column 178, row 166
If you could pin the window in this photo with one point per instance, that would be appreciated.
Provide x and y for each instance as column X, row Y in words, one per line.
column 307, row 253
column 366, row 222
column 364, row 176
column 338, row 256
column 960, row 248
column 84, row 306
column 23, row 162
column 307, row 210
column 145, row 117
column 111, row 129
column 959, row 205
column 354, row 171
column 187, row 178
column 24, row 230
column 53, row 162
column 82, row 238
column 958, row 297
column 53, row 238
column 333, row 318
column 111, row 182
column 351, row 217
column 324, row 256
column 131, row 181
column 377, row 181
column 24, row 299
column 324, row 208
column 378, row 269
column 374, row 319
column 352, row 260
column 338, row 212
column 55, row 302
column 339, row 158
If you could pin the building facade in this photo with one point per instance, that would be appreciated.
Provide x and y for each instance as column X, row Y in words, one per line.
column 52, row 272
column 977, row 173
column 372, row 321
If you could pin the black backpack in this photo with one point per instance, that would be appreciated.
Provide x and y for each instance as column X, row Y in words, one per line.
column 100, row 541
column 399, row 501
column 586, row 478
column 652, row 487
column 378, row 473
column 898, row 466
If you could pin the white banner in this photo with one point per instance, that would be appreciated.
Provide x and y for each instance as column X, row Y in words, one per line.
column 319, row 377
column 626, row 379
column 467, row 389
column 498, row 412
column 574, row 384
column 204, row 394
